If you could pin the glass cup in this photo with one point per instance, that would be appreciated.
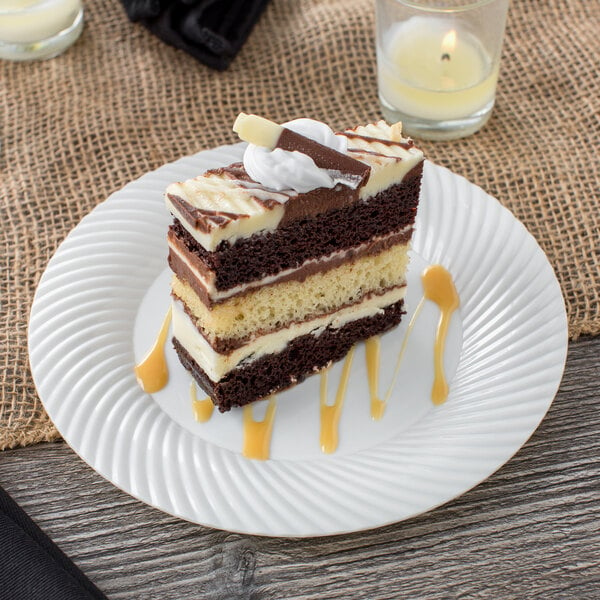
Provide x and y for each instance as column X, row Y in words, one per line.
column 438, row 63
column 38, row 29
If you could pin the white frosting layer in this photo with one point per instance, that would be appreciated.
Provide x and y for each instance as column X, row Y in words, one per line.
column 224, row 196
column 281, row 170
column 217, row 365
column 389, row 162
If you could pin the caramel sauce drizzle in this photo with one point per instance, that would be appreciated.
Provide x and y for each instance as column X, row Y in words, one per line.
column 152, row 373
column 203, row 409
column 439, row 288
column 372, row 354
column 372, row 345
column 257, row 434
column 411, row 326
column 330, row 414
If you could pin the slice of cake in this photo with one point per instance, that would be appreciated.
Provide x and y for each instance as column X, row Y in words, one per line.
column 283, row 262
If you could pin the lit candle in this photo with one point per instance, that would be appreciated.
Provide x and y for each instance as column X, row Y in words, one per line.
column 30, row 21
column 428, row 68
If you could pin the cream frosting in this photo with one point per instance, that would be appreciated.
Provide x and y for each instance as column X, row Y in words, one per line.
column 282, row 170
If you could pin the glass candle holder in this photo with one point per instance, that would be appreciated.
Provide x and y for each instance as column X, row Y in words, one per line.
column 38, row 29
column 438, row 63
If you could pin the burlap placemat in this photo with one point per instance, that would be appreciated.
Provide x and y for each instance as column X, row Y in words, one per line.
column 120, row 103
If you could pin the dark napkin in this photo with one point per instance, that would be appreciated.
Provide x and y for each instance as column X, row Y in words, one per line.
column 213, row 31
column 32, row 567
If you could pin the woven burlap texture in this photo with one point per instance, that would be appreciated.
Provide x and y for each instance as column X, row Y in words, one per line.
column 120, row 103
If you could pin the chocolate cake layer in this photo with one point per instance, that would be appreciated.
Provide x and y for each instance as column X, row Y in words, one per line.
column 303, row 356
column 289, row 246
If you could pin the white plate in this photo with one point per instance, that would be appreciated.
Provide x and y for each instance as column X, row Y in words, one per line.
column 103, row 296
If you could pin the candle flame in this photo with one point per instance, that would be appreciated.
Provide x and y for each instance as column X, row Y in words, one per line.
column 449, row 42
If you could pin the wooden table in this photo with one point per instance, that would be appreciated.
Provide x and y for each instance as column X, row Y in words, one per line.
column 532, row 530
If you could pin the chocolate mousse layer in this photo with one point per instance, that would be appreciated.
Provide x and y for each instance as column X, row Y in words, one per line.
column 305, row 238
column 303, row 356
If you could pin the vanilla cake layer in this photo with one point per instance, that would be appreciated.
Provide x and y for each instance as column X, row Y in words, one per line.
column 230, row 323
column 216, row 365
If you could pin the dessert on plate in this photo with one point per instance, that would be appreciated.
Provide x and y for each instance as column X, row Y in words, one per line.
column 284, row 261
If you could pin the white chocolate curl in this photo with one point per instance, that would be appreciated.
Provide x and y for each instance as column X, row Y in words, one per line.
column 283, row 170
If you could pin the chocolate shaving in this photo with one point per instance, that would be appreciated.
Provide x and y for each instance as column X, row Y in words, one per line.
column 324, row 157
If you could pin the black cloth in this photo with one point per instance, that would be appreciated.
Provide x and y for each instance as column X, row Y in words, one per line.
column 32, row 567
column 212, row 31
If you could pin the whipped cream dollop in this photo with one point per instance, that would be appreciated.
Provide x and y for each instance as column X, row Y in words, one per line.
column 283, row 170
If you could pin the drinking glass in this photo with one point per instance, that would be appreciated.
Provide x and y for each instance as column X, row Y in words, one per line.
column 38, row 29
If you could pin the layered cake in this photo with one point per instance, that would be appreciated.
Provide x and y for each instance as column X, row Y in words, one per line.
column 284, row 261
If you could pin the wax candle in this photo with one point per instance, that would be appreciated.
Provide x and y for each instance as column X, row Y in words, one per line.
column 429, row 68
column 31, row 21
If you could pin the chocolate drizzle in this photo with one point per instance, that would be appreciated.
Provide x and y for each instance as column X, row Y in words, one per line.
column 202, row 219
column 297, row 206
column 372, row 153
column 371, row 140
column 236, row 173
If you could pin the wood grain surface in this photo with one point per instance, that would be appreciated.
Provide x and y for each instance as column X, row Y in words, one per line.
column 530, row 531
